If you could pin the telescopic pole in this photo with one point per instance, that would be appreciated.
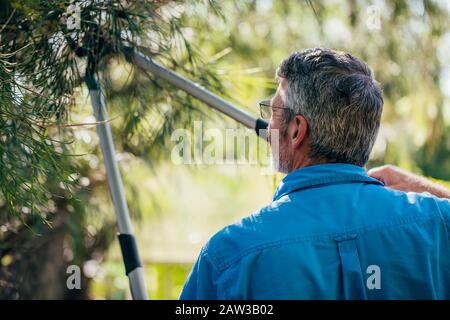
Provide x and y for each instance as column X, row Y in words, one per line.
column 212, row 100
column 127, row 241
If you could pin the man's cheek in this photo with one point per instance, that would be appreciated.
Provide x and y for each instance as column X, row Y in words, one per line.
column 269, row 129
column 274, row 139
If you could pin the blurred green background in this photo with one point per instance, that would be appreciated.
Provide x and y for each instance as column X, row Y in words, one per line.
column 409, row 54
column 177, row 208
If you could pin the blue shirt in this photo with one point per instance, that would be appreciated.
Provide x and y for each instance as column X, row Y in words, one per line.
column 331, row 232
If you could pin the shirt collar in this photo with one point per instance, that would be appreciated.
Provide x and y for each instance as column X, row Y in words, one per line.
column 321, row 174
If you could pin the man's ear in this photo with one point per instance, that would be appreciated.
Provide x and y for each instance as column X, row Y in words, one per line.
column 299, row 131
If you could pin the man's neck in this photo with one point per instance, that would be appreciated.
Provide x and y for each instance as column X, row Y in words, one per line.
column 306, row 162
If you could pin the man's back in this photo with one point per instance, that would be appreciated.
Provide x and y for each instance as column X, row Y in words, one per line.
column 331, row 232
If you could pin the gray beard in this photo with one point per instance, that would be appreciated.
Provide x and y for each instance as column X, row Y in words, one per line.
column 281, row 160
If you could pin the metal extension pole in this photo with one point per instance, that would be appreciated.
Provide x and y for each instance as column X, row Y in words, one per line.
column 214, row 101
column 127, row 241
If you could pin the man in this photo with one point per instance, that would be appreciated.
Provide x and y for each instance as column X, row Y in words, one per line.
column 331, row 232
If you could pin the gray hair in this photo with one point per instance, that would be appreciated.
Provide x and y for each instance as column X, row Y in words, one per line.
column 340, row 100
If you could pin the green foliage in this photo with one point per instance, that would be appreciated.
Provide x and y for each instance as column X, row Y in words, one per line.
column 44, row 60
column 29, row 156
column 233, row 50
column 50, row 165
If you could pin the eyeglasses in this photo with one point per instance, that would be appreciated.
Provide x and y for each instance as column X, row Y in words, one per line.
column 266, row 109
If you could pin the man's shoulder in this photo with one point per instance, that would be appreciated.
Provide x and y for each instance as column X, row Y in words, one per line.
column 422, row 201
column 279, row 221
column 236, row 240
column 444, row 207
column 394, row 205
